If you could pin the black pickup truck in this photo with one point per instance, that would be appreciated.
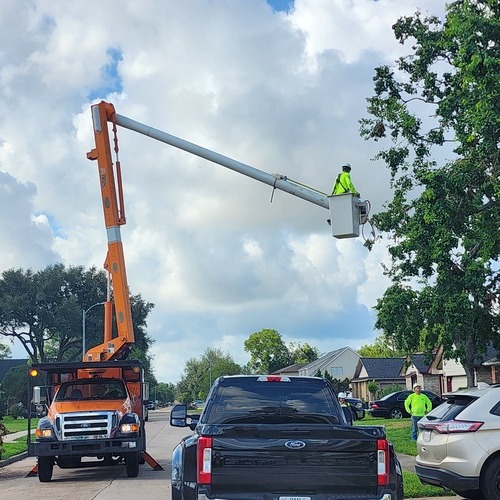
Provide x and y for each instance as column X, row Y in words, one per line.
column 280, row 438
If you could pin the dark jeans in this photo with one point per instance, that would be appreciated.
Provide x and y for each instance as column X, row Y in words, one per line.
column 414, row 427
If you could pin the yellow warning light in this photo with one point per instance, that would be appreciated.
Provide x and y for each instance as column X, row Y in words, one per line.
column 33, row 372
column 136, row 369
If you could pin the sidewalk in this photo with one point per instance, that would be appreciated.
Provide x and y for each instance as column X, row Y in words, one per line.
column 407, row 462
column 9, row 438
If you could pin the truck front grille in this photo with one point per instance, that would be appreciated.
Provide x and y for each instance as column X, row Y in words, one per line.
column 87, row 425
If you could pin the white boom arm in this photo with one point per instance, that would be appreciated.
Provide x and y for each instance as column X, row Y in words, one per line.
column 345, row 209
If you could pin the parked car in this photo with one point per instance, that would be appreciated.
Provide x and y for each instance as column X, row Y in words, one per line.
column 357, row 407
column 393, row 405
column 459, row 443
column 150, row 405
column 198, row 404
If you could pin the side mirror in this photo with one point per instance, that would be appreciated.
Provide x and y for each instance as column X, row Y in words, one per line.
column 178, row 416
column 37, row 395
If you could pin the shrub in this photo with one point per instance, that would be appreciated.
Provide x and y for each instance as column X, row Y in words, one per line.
column 16, row 410
column 388, row 390
column 3, row 432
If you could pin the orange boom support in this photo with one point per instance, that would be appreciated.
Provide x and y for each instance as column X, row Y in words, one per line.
column 114, row 216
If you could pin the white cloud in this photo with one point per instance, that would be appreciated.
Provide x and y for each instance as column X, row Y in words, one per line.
column 282, row 93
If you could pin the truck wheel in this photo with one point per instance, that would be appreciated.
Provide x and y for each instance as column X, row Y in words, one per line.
column 45, row 468
column 132, row 464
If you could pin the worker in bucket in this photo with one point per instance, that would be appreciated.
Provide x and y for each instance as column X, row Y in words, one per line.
column 343, row 183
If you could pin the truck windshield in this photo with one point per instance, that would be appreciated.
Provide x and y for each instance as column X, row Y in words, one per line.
column 91, row 389
column 253, row 401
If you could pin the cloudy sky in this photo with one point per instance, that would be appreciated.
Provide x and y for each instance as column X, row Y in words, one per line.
column 278, row 85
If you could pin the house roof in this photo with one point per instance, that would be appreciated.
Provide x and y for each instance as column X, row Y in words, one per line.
column 490, row 357
column 381, row 368
column 325, row 361
column 289, row 369
column 7, row 364
column 420, row 363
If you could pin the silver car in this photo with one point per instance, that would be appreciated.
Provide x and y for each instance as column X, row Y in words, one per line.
column 459, row 443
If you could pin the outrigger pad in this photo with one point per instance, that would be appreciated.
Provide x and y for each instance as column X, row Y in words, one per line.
column 33, row 472
column 151, row 461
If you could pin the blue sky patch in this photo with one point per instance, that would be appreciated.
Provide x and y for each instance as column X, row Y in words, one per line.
column 281, row 5
column 110, row 78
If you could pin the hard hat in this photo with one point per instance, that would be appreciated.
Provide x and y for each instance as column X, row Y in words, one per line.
column 341, row 395
column 417, row 385
column 346, row 165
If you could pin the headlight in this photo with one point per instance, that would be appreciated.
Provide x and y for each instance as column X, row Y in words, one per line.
column 44, row 429
column 127, row 428
column 44, row 433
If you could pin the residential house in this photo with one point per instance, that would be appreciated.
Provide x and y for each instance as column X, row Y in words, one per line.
column 386, row 372
column 451, row 373
column 340, row 364
column 419, row 369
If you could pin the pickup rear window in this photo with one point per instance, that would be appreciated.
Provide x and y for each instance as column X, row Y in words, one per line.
column 253, row 400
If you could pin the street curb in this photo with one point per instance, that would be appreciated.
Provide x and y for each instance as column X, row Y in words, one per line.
column 13, row 459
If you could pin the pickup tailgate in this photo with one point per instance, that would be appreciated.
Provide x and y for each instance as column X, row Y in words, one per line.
column 313, row 461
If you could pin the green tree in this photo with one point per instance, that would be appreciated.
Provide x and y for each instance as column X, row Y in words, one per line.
column 302, row 352
column 43, row 311
column 382, row 347
column 373, row 389
column 268, row 352
column 444, row 216
column 165, row 392
column 5, row 351
column 199, row 374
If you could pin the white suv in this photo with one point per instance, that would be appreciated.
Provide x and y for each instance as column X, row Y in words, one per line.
column 459, row 443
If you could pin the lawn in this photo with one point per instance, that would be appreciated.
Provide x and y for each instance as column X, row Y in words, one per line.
column 18, row 446
column 398, row 432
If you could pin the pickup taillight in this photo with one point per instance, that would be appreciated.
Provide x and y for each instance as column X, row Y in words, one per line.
column 204, row 459
column 382, row 462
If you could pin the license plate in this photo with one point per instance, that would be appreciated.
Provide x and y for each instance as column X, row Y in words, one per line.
column 294, row 498
column 426, row 435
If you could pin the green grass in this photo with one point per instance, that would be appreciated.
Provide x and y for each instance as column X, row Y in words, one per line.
column 19, row 445
column 399, row 433
column 14, row 448
column 17, row 424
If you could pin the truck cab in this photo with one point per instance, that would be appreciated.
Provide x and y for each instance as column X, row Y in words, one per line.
column 93, row 410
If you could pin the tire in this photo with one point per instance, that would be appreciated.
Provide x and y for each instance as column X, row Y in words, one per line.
column 396, row 413
column 45, row 469
column 132, row 464
column 490, row 480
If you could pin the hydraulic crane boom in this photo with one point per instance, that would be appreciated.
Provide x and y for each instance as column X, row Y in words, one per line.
column 347, row 212
column 277, row 181
column 114, row 217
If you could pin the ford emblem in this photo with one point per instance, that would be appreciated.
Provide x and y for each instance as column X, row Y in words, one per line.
column 295, row 445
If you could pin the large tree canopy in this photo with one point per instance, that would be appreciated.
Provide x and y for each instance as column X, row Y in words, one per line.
column 199, row 374
column 268, row 352
column 440, row 107
column 43, row 310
